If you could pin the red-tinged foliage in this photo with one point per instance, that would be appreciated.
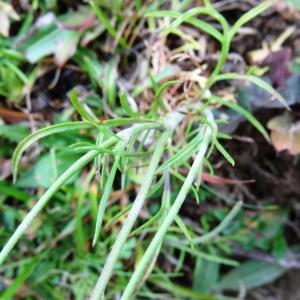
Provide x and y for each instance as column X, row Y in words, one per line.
column 278, row 62
column 217, row 180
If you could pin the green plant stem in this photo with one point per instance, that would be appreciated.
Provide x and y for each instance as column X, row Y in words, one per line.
column 216, row 231
column 43, row 201
column 166, row 198
column 78, row 165
column 130, row 220
column 79, row 232
column 151, row 250
column 106, row 194
column 221, row 62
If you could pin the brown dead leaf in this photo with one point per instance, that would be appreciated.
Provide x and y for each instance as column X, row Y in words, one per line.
column 287, row 11
column 285, row 134
column 12, row 116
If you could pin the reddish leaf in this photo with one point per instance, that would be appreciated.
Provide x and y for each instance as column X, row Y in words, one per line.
column 11, row 116
column 89, row 22
column 216, row 180
column 278, row 63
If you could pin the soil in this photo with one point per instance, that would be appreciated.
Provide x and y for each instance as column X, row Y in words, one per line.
column 276, row 175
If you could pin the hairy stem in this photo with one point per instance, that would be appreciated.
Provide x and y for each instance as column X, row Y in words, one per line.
column 155, row 243
column 130, row 220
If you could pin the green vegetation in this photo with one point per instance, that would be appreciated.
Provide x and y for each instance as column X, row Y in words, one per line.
column 98, row 210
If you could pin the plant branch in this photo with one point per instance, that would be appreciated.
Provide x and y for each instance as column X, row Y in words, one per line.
column 159, row 236
column 130, row 220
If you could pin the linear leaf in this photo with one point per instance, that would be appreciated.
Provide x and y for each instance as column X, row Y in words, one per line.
column 251, row 14
column 181, row 156
column 256, row 80
column 250, row 274
column 185, row 231
column 79, row 107
column 15, row 286
column 106, row 194
column 158, row 96
column 126, row 105
column 224, row 152
column 204, row 26
column 245, row 113
column 39, row 134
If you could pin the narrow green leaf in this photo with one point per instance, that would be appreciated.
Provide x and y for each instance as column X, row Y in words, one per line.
column 251, row 14
column 158, row 97
column 13, row 288
column 124, row 121
column 125, row 104
column 110, row 86
column 180, row 291
column 217, row 230
column 181, row 156
column 118, row 216
column 106, row 193
column 197, row 253
column 224, row 152
column 106, row 23
column 185, row 231
column 85, row 147
column 167, row 72
column 79, row 234
column 249, row 275
column 204, row 26
column 79, row 107
column 245, row 113
column 185, row 16
column 39, row 134
column 149, row 223
column 182, row 178
column 13, row 191
column 97, row 160
column 13, row 67
column 256, row 80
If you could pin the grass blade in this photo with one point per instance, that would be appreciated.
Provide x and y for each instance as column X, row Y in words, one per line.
column 126, row 105
column 105, row 22
column 79, row 236
column 42, row 202
column 13, row 288
column 185, row 231
column 225, row 222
